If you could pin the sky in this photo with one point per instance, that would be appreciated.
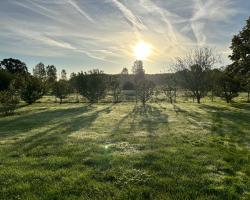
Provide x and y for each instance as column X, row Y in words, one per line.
column 80, row 35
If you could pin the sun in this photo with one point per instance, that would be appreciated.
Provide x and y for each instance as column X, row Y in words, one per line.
column 142, row 50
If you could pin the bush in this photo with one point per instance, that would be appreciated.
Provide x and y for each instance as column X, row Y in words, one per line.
column 61, row 89
column 128, row 86
column 92, row 85
column 32, row 90
column 8, row 101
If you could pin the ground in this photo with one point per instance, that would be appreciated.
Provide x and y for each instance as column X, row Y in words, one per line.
column 123, row 151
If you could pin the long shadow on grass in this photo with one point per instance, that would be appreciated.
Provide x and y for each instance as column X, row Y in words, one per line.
column 73, row 120
column 25, row 123
column 229, row 122
column 143, row 119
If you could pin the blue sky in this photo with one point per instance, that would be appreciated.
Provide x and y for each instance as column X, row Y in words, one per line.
column 85, row 34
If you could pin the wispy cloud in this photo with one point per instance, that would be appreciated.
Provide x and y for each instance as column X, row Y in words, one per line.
column 129, row 15
column 80, row 10
column 95, row 31
column 209, row 11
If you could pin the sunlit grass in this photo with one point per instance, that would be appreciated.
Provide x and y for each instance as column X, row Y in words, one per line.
column 107, row 151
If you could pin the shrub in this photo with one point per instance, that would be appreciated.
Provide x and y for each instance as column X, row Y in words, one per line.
column 32, row 90
column 61, row 89
column 8, row 101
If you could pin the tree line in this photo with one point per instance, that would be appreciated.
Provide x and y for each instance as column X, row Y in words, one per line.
column 194, row 73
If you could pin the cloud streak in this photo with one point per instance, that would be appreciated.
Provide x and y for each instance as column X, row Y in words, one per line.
column 129, row 15
column 94, row 31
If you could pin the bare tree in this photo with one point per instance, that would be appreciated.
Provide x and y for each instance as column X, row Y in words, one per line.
column 193, row 70
column 145, row 90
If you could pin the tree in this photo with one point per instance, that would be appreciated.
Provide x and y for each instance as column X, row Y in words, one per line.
column 32, row 89
column 241, row 57
column 128, row 86
column 51, row 75
column 5, row 79
column 8, row 101
column 73, row 83
column 63, row 74
column 124, row 71
column 116, row 89
column 61, row 89
column 139, row 75
column 170, row 88
column 193, row 71
column 146, row 90
column 92, row 85
column 227, row 86
column 39, row 71
column 213, row 76
column 14, row 66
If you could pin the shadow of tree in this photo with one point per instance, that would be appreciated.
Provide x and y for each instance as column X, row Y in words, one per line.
column 69, row 120
column 227, row 122
column 143, row 119
column 24, row 123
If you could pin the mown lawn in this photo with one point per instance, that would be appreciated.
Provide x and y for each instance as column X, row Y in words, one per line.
column 105, row 151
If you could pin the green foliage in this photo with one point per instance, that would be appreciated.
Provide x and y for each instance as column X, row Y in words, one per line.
column 92, row 85
column 128, row 86
column 5, row 79
column 40, row 72
column 14, row 66
column 61, row 89
column 227, row 86
column 240, row 68
column 32, row 89
column 51, row 74
column 8, row 102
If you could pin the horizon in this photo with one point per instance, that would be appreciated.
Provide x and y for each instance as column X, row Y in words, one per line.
column 82, row 35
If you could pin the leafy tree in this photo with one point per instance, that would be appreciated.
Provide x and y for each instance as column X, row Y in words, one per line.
column 116, row 89
column 14, row 66
column 73, row 83
column 213, row 76
column 128, row 86
column 227, row 86
column 61, row 89
column 5, row 79
column 139, row 75
column 241, row 57
column 63, row 74
column 8, row 102
column 92, row 85
column 39, row 71
column 51, row 75
column 124, row 71
column 146, row 90
column 32, row 89
column 193, row 71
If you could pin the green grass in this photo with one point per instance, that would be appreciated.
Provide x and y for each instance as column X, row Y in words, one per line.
column 105, row 151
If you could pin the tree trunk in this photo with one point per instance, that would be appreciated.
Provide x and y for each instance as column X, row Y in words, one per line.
column 248, row 96
column 198, row 100
column 60, row 100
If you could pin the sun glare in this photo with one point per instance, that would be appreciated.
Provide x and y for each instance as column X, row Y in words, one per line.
column 142, row 50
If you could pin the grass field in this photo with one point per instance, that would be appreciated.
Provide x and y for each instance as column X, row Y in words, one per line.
column 106, row 151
